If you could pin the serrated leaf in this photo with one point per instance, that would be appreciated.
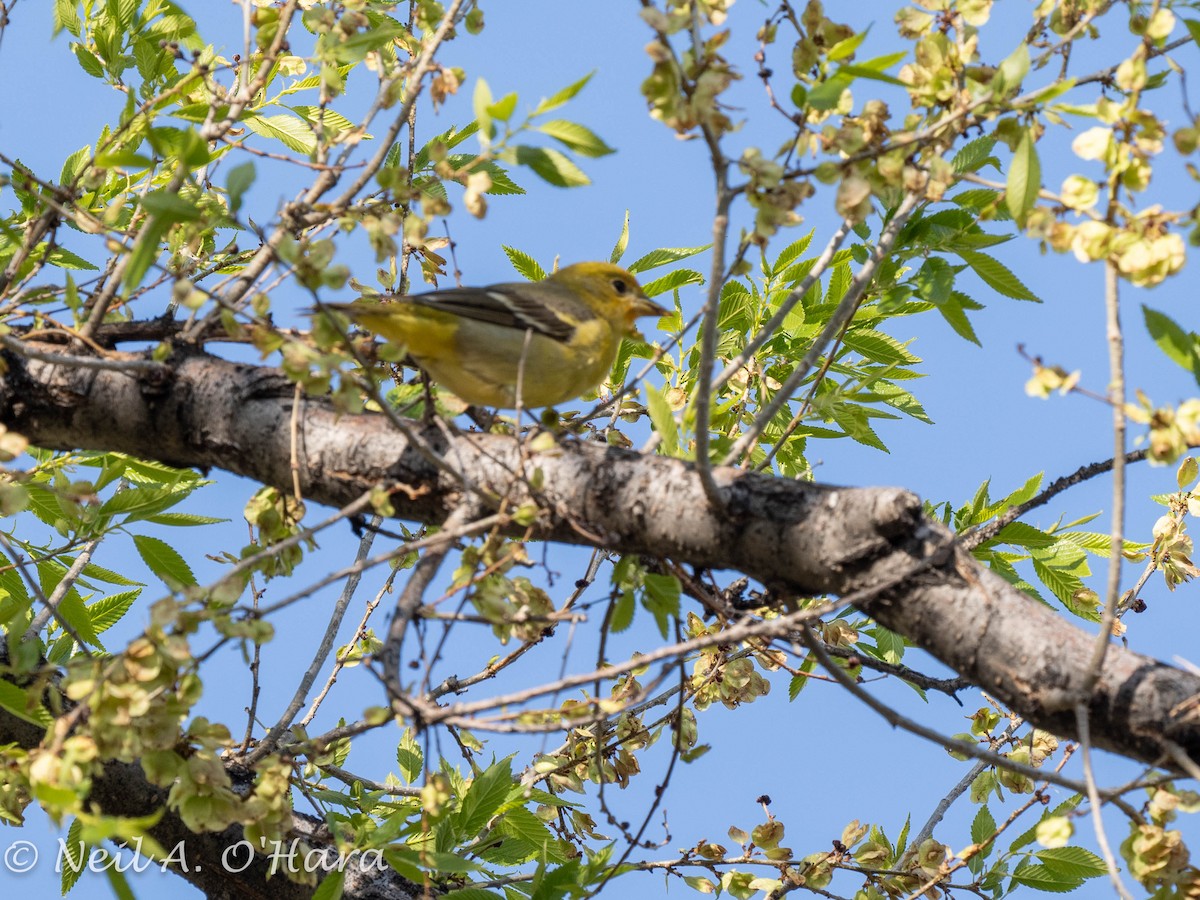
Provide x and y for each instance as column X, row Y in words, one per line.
column 1100, row 544
column 1021, row 534
column 74, row 856
column 410, row 757
column 956, row 316
column 184, row 519
column 1025, row 492
column 65, row 16
column 108, row 611
column 290, row 131
column 972, row 156
column 983, row 826
column 878, row 347
column 1074, row 862
column 671, row 281
column 108, row 576
column 484, row 797
column 622, row 612
column 996, row 275
column 663, row 256
column 88, row 61
column 853, row 420
column 324, row 117
column 526, row 265
column 791, row 252
column 1043, row 878
column 62, row 258
column 800, row 681
column 164, row 561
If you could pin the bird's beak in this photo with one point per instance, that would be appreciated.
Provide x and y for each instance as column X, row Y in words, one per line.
column 644, row 306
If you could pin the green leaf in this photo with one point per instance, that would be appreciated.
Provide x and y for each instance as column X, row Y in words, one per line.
column 526, row 265
column 170, row 207
column 66, row 17
column 1193, row 28
column 164, row 561
column 1074, row 862
column 108, row 576
column 331, row 886
column 879, row 347
column 791, row 252
column 554, row 101
column 140, row 502
column 1181, row 347
column 576, row 137
column 997, row 276
column 622, row 612
column 88, row 61
column 1044, row 878
column 1024, row 179
column 671, row 281
column 290, row 131
column 954, row 314
column 355, row 48
column 828, row 93
column 662, row 421
column 1013, row 69
column 843, row 49
column 484, row 797
column 184, row 519
column 973, row 155
column 503, row 108
column 74, row 856
column 502, row 184
column 983, row 826
column 20, row 704
column 410, row 757
column 853, row 420
column 481, row 100
column 622, row 242
column 551, row 166
column 1100, row 544
column 63, row 258
column 107, row 612
column 661, row 599
column 800, row 681
column 863, row 71
column 322, row 117
column 663, row 256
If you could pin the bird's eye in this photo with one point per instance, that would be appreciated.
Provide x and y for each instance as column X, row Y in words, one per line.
column 619, row 285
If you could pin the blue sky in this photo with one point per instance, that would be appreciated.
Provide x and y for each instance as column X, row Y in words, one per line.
column 824, row 759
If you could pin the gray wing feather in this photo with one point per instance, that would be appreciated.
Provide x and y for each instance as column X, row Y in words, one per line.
column 501, row 304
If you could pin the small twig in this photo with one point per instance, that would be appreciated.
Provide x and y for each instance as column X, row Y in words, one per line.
column 271, row 739
column 845, row 309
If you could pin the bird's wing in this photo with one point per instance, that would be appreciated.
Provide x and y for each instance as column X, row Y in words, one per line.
column 509, row 305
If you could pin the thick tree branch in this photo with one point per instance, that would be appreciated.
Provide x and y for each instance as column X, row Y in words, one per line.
column 794, row 537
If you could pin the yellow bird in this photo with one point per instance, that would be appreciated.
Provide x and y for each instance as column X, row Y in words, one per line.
column 557, row 338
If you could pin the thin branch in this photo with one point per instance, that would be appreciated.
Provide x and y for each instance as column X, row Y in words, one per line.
column 846, row 308
column 271, row 739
